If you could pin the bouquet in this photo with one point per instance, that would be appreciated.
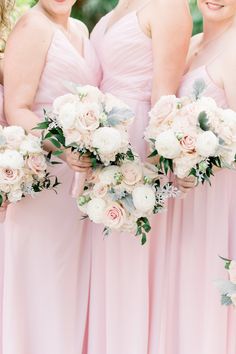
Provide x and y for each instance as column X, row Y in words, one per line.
column 89, row 122
column 123, row 197
column 192, row 135
column 23, row 165
column 228, row 287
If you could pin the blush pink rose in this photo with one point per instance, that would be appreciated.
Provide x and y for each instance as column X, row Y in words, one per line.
column 100, row 190
column 10, row 176
column 88, row 118
column 132, row 173
column 114, row 216
column 37, row 163
column 188, row 143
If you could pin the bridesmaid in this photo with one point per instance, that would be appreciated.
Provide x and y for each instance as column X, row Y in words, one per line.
column 45, row 290
column 5, row 10
column 203, row 225
column 136, row 53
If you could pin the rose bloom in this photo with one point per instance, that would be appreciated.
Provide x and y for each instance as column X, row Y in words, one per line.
column 232, row 272
column 144, row 198
column 207, row 144
column 15, row 195
column 188, row 143
column 132, row 173
column 72, row 136
column 88, row 118
column 67, row 115
column 10, row 176
column 227, row 126
column 93, row 175
column 14, row 136
column 100, row 190
column 168, row 145
column 95, row 210
column 107, row 140
column 37, row 163
column 89, row 94
column 107, row 174
column 61, row 101
column 31, row 145
column 12, row 159
column 165, row 107
column 114, row 216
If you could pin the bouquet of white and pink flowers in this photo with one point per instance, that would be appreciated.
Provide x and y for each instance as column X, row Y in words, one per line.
column 90, row 122
column 123, row 197
column 228, row 287
column 191, row 135
column 23, row 165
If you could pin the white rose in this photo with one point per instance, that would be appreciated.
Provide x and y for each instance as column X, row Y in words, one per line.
column 165, row 107
column 12, row 159
column 14, row 136
column 15, row 196
column 89, row 93
column 72, row 136
column 95, row 210
column 184, row 164
column 107, row 140
column 88, row 117
column 31, row 145
column 132, row 172
column 227, row 128
column 107, row 175
column 67, row 115
column 207, row 144
column 168, row 145
column 61, row 101
column 144, row 198
column 206, row 104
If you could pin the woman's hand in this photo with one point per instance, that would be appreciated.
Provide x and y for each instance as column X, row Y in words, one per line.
column 78, row 162
column 186, row 184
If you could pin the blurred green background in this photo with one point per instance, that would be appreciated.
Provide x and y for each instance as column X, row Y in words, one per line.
column 90, row 11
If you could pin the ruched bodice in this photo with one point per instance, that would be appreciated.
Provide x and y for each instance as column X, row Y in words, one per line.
column 125, row 53
column 211, row 89
column 64, row 64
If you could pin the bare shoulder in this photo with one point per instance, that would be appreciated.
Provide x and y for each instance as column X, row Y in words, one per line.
column 34, row 22
column 173, row 13
column 80, row 26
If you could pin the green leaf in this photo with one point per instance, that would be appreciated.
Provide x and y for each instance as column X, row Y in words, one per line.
column 153, row 154
column 57, row 152
column 55, row 142
column 203, row 121
column 1, row 200
column 226, row 300
column 144, row 239
column 41, row 126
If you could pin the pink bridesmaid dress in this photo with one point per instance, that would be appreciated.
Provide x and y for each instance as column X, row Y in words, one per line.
column 188, row 317
column 45, row 281
column 118, row 310
column 2, row 218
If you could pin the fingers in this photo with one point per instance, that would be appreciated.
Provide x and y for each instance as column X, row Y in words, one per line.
column 78, row 162
column 186, row 184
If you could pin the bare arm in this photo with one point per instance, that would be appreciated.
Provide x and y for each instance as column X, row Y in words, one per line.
column 229, row 76
column 171, row 28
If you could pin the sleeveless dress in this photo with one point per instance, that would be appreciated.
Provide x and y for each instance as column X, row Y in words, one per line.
column 45, row 280
column 118, row 312
column 200, row 228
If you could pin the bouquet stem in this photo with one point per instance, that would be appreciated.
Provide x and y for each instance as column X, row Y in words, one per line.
column 78, row 183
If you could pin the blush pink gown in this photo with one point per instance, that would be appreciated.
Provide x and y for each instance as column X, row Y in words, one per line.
column 188, row 317
column 118, row 312
column 45, row 280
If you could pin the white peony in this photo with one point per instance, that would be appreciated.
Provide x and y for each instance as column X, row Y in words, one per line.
column 90, row 94
column 107, row 140
column 11, row 159
column 95, row 210
column 14, row 136
column 144, row 198
column 67, row 115
column 31, row 145
column 168, row 145
column 15, row 196
column 207, row 144
column 107, row 175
